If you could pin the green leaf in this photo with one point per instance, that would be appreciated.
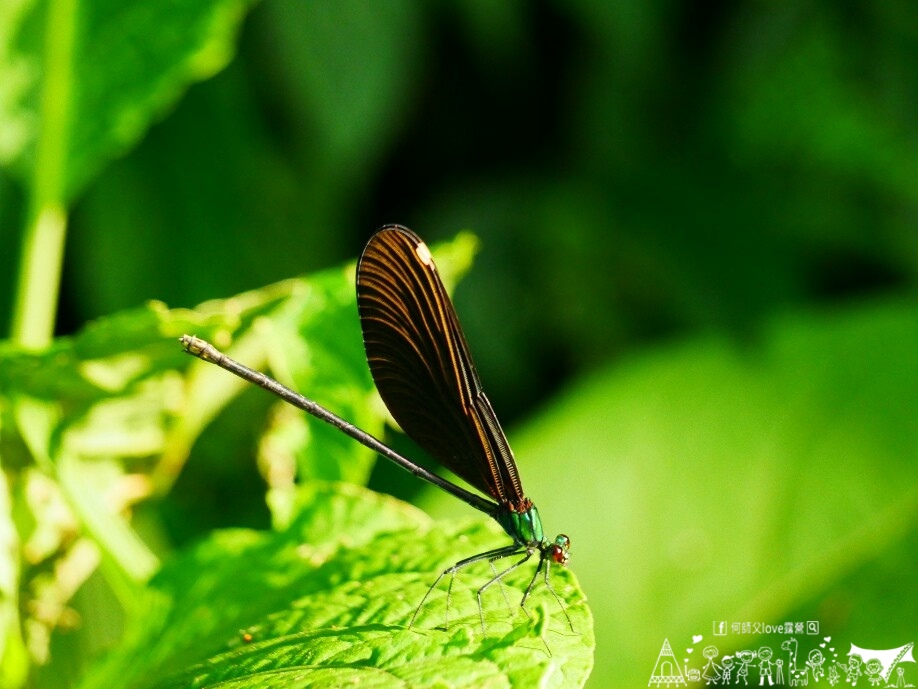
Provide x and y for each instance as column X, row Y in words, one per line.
column 105, row 413
column 315, row 345
column 317, row 348
column 128, row 63
column 326, row 602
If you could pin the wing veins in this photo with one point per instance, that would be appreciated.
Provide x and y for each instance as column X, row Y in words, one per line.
column 423, row 367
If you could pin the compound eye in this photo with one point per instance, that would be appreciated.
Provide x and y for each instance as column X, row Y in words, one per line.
column 559, row 550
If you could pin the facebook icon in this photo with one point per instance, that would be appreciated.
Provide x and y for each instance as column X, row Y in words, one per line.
column 720, row 628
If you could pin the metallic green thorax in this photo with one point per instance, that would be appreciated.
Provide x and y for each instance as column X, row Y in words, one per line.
column 523, row 527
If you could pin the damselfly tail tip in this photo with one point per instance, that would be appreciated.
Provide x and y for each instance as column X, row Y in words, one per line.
column 193, row 345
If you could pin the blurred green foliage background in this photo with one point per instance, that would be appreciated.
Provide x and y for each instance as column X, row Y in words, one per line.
column 694, row 302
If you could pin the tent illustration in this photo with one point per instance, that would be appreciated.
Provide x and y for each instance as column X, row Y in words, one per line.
column 890, row 657
column 666, row 672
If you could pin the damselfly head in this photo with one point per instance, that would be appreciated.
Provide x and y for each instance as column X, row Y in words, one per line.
column 559, row 551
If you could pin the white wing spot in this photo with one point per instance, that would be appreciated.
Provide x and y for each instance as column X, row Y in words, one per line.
column 424, row 254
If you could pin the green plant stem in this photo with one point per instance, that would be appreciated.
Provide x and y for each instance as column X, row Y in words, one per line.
column 14, row 659
column 41, row 259
column 46, row 226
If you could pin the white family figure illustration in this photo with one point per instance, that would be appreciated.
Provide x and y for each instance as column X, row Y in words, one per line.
column 852, row 670
column 878, row 668
column 745, row 658
column 872, row 670
column 765, row 663
column 814, row 661
column 711, row 672
column 726, row 667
